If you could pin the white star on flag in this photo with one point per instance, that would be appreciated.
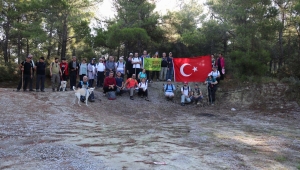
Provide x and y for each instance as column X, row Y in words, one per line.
column 195, row 69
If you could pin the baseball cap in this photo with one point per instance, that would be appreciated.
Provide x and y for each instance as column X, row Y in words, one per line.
column 169, row 80
column 130, row 54
column 185, row 82
column 42, row 58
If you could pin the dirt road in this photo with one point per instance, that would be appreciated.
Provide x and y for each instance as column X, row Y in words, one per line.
column 47, row 131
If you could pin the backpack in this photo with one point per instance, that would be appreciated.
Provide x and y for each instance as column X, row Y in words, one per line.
column 111, row 95
column 167, row 87
column 31, row 64
column 87, row 83
column 123, row 63
column 188, row 87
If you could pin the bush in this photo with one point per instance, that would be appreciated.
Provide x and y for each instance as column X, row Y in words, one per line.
column 9, row 72
column 249, row 65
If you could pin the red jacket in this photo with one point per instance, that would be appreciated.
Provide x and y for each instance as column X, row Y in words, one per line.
column 109, row 81
column 66, row 71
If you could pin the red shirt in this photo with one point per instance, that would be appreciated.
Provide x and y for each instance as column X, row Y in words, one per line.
column 64, row 68
column 131, row 83
column 109, row 81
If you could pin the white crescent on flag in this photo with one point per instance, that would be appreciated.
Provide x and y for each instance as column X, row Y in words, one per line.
column 182, row 72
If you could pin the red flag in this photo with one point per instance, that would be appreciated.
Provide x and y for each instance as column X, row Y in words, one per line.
column 192, row 69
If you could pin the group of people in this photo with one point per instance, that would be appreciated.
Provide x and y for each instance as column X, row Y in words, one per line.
column 110, row 75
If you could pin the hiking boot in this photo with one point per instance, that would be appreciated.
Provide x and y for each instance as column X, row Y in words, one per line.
column 91, row 100
column 53, row 90
column 142, row 96
column 31, row 90
column 182, row 104
column 146, row 99
column 42, row 90
column 131, row 98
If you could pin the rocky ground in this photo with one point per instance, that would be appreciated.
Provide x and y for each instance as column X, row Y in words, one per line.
column 48, row 131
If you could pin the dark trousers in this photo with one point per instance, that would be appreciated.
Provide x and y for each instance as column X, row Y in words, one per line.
column 91, row 82
column 212, row 93
column 154, row 73
column 40, row 79
column 26, row 79
column 73, row 76
column 221, row 73
column 142, row 92
column 105, row 89
column 64, row 77
column 100, row 78
column 81, row 77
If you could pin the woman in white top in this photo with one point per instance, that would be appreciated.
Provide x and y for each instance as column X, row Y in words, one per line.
column 215, row 74
column 100, row 68
column 83, row 70
column 143, row 91
column 120, row 66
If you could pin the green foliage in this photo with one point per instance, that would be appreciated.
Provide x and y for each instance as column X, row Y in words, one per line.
column 245, row 65
column 9, row 72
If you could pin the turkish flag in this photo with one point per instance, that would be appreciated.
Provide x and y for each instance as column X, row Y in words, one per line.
column 194, row 69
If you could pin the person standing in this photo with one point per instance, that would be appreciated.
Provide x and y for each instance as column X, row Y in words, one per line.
column 120, row 66
column 110, row 66
column 221, row 65
column 64, row 69
column 73, row 68
column 164, row 68
column 26, row 70
column 40, row 74
column 83, row 69
column 33, row 68
column 100, row 68
column 170, row 66
column 211, row 88
column 129, row 66
column 136, row 61
column 91, row 72
column 145, row 55
column 155, row 73
column 55, row 73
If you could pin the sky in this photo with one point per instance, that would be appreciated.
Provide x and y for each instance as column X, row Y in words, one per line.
column 106, row 8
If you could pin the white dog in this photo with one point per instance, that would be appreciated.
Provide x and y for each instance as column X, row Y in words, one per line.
column 63, row 85
column 82, row 92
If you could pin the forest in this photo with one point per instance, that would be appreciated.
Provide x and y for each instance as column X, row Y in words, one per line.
column 260, row 39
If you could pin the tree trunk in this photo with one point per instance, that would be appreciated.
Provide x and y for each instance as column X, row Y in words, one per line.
column 64, row 38
column 27, row 47
column 6, row 27
column 50, row 41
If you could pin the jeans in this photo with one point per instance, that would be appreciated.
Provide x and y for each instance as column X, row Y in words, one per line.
column 163, row 73
column 185, row 99
column 40, row 79
column 170, row 73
